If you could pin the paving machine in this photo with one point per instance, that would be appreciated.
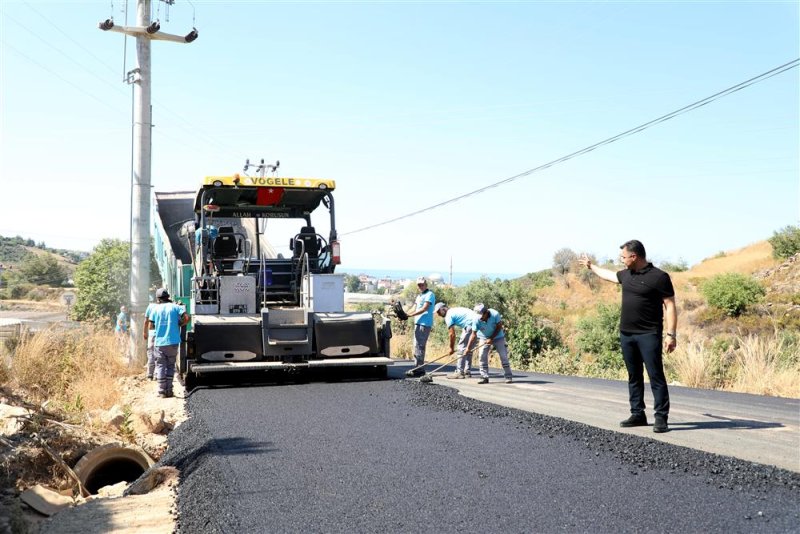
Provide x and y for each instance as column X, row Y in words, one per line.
column 252, row 307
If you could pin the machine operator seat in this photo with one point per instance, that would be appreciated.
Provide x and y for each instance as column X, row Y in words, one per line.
column 311, row 243
column 225, row 245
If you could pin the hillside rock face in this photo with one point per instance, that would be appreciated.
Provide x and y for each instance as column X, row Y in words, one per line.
column 785, row 278
column 783, row 291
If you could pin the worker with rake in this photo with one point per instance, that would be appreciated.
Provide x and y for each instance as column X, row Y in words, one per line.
column 487, row 327
column 423, row 323
column 462, row 318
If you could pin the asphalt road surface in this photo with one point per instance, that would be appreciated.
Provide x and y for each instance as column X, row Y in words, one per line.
column 400, row 456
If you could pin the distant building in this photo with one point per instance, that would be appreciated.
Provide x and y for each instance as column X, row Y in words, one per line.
column 385, row 283
column 435, row 278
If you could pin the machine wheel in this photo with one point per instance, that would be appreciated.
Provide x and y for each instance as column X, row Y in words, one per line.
column 381, row 372
column 189, row 381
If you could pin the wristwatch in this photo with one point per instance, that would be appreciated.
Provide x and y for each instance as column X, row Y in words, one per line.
column 673, row 336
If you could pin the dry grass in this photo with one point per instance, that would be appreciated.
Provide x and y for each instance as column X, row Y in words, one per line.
column 745, row 260
column 402, row 342
column 76, row 369
column 764, row 366
column 692, row 366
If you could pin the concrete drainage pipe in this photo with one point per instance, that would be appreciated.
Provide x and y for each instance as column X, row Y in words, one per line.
column 110, row 464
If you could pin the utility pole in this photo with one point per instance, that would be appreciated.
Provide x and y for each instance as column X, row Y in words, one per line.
column 451, row 271
column 144, row 32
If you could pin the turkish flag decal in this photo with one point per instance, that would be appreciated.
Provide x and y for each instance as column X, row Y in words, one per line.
column 268, row 196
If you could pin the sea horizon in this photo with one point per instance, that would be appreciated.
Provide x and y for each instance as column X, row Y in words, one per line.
column 459, row 278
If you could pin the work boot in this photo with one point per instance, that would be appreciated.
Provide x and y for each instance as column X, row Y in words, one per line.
column 509, row 380
column 484, row 380
column 455, row 375
column 467, row 374
column 660, row 425
column 639, row 419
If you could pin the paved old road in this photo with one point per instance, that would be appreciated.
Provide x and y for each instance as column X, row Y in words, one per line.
column 399, row 456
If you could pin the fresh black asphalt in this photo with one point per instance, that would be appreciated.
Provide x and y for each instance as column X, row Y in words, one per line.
column 400, row 456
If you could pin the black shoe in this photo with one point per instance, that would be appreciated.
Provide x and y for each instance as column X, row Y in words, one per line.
column 634, row 420
column 661, row 424
column 483, row 381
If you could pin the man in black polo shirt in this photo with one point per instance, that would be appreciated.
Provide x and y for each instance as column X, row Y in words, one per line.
column 646, row 293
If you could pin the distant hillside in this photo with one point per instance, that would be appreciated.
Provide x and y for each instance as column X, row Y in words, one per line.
column 571, row 299
column 13, row 251
column 746, row 260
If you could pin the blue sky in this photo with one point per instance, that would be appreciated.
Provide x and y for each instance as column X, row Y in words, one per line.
column 407, row 104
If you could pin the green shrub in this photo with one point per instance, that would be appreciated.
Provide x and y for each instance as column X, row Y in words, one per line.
column 606, row 365
column 556, row 360
column 785, row 242
column 37, row 294
column 732, row 292
column 599, row 333
column 529, row 338
column 790, row 343
column 674, row 267
column 19, row 290
column 541, row 279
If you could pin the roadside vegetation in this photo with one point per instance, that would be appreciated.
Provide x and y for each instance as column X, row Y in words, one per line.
column 74, row 371
column 739, row 319
column 739, row 323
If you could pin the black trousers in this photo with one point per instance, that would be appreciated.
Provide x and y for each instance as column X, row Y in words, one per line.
column 639, row 351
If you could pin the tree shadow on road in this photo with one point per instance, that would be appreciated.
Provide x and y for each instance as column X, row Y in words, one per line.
column 723, row 423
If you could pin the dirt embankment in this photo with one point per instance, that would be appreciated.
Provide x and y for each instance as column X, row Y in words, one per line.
column 43, row 452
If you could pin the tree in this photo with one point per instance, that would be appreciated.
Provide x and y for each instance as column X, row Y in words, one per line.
column 155, row 275
column 510, row 297
column 446, row 294
column 351, row 283
column 42, row 269
column 587, row 276
column 785, row 242
column 481, row 290
column 563, row 260
column 102, row 281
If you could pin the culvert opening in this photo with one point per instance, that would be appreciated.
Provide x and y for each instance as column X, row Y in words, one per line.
column 113, row 472
column 111, row 464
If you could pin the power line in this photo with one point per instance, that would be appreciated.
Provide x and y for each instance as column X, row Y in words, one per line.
column 79, row 88
column 707, row 100
column 69, row 57
column 65, row 34
column 187, row 126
